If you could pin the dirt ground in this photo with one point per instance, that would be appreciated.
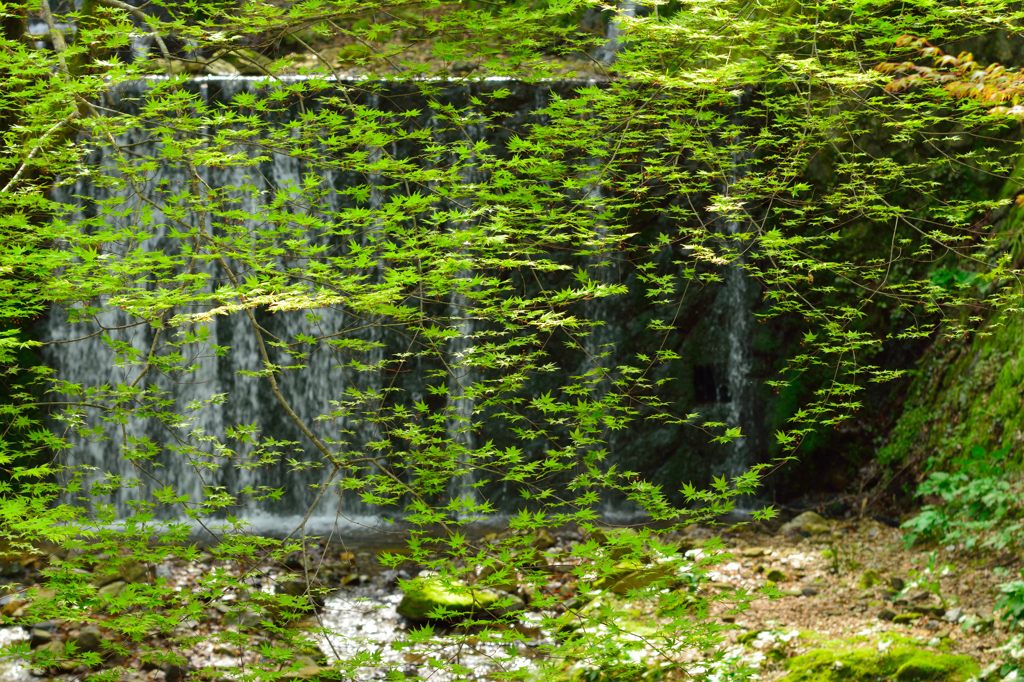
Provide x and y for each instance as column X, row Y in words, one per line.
column 829, row 592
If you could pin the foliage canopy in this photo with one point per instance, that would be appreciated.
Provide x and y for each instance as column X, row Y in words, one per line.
column 757, row 137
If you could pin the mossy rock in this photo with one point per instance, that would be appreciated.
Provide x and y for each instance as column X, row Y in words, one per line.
column 777, row 576
column 905, row 618
column 869, row 578
column 431, row 599
column 808, row 522
column 898, row 664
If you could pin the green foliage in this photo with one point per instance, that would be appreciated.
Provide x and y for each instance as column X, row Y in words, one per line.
column 690, row 166
column 1011, row 601
column 980, row 507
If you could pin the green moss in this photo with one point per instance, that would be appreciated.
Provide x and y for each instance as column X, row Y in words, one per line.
column 432, row 599
column 905, row 618
column 965, row 394
column 869, row 578
column 900, row 663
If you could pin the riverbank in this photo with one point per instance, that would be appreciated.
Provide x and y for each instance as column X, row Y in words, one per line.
column 843, row 586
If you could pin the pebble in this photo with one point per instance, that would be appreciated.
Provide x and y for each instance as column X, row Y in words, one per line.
column 953, row 615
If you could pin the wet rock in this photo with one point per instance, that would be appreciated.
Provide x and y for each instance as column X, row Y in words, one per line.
column 808, row 522
column 425, row 597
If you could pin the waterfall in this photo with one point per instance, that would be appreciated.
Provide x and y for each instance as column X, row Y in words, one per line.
column 740, row 295
column 186, row 446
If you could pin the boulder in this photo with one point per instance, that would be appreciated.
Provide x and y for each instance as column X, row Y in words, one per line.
column 427, row 596
column 808, row 522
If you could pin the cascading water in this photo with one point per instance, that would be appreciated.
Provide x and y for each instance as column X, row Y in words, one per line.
column 654, row 451
column 739, row 298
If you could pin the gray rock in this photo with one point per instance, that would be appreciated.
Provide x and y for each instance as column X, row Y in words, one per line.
column 953, row 615
column 38, row 638
column 174, row 673
column 112, row 590
column 886, row 614
column 89, row 639
column 809, row 592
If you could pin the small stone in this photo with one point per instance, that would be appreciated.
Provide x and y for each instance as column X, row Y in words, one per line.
column 112, row 590
column 886, row 614
column 943, row 633
column 542, row 540
column 934, row 641
column 921, row 596
column 174, row 673
column 39, row 637
column 952, row 615
column 808, row 592
column 776, row 576
column 753, row 552
column 89, row 639
column 897, row 583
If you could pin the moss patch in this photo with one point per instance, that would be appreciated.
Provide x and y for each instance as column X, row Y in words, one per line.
column 898, row 664
column 432, row 599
